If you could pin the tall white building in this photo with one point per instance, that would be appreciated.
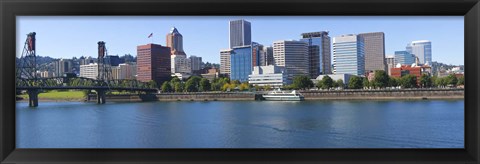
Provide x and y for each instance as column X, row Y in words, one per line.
column 225, row 61
column 348, row 55
column 180, row 64
column 270, row 75
column 240, row 33
column 89, row 71
column 421, row 49
column 293, row 55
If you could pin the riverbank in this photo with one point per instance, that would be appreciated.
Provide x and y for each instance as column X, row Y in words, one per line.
column 407, row 94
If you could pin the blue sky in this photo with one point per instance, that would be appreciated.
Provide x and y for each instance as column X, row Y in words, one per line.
column 68, row 36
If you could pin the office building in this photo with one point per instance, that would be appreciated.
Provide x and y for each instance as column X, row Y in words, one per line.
column 421, row 49
column 390, row 60
column 175, row 42
column 374, row 51
column 153, row 63
column 240, row 33
column 196, row 63
column 242, row 61
column 89, row 71
column 63, row 66
column 124, row 71
column 180, row 64
column 413, row 69
column 270, row 75
column 318, row 52
column 348, row 55
column 404, row 58
column 266, row 55
column 293, row 56
column 225, row 62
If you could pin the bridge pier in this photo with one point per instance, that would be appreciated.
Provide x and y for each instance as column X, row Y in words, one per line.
column 33, row 97
column 100, row 96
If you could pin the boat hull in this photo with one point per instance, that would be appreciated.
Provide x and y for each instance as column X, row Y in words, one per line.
column 278, row 98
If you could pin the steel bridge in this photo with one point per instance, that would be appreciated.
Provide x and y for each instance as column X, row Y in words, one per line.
column 27, row 79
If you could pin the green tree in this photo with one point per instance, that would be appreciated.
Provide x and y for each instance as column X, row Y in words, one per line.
column 327, row 82
column 166, row 87
column 225, row 87
column 451, row 80
column 152, row 84
column 461, row 80
column 340, row 83
column 174, row 80
column 425, row 81
column 409, row 81
column 302, row 82
column 355, row 82
column 267, row 87
column 236, row 82
column 381, row 79
column 366, row 83
column 204, row 85
column 192, row 84
column 179, row 87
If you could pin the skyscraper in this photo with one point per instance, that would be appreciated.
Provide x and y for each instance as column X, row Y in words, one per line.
column 318, row 52
column 240, row 33
column 374, row 49
column 266, row 56
column 242, row 61
column 175, row 42
column 293, row 55
column 404, row 58
column 348, row 55
column 196, row 63
column 153, row 63
column 225, row 62
column 421, row 49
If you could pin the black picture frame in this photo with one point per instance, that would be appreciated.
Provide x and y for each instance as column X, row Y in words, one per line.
column 470, row 9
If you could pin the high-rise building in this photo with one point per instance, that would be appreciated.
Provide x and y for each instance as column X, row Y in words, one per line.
column 374, row 49
column 319, row 52
column 266, row 55
column 242, row 61
column 421, row 49
column 404, row 58
column 196, row 63
column 63, row 66
column 180, row 64
column 124, row 71
column 293, row 55
column 240, row 33
column 225, row 62
column 175, row 42
column 348, row 55
column 89, row 71
column 153, row 63
column 390, row 60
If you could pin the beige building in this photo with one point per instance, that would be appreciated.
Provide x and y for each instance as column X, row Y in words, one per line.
column 225, row 62
column 374, row 51
column 293, row 56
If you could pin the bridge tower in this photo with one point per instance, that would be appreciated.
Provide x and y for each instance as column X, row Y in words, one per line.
column 26, row 64
column 103, row 60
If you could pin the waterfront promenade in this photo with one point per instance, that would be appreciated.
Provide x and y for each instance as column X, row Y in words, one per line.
column 381, row 94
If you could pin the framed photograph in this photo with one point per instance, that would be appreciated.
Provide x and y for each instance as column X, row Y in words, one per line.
column 239, row 81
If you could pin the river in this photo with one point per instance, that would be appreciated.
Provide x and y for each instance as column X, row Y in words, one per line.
column 242, row 124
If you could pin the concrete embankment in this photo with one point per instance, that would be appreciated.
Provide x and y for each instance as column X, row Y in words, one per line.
column 385, row 94
column 416, row 94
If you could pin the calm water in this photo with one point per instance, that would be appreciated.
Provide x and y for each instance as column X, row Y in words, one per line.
column 243, row 124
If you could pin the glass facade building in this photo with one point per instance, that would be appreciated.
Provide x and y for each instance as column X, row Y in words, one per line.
column 240, row 33
column 318, row 52
column 404, row 58
column 348, row 55
column 421, row 49
column 242, row 62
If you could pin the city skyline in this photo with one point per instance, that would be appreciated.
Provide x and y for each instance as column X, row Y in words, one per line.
column 205, row 36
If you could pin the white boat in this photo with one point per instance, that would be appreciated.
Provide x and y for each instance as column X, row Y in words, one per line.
column 283, row 96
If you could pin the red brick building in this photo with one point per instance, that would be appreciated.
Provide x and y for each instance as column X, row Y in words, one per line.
column 403, row 70
column 153, row 63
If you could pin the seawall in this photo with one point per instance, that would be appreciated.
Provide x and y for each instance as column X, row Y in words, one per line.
column 415, row 94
